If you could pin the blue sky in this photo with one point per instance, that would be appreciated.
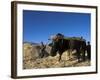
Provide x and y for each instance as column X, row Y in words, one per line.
column 40, row 25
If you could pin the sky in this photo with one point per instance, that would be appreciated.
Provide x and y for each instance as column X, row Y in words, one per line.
column 40, row 25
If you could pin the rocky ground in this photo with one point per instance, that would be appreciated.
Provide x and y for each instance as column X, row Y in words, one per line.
column 50, row 62
column 31, row 59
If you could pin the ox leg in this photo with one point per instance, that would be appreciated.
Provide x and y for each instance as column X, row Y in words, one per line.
column 83, row 57
column 60, row 56
column 69, row 51
column 78, row 55
column 69, row 54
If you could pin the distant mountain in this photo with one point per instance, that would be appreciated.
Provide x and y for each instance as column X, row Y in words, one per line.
column 32, row 43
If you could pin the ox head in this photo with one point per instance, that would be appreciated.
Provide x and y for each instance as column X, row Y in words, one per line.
column 56, row 44
column 43, row 51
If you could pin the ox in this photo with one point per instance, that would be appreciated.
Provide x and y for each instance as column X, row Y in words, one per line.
column 59, row 44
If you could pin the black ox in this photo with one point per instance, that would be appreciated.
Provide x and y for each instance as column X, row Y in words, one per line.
column 59, row 45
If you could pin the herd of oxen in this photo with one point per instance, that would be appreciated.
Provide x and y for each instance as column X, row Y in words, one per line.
column 59, row 45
